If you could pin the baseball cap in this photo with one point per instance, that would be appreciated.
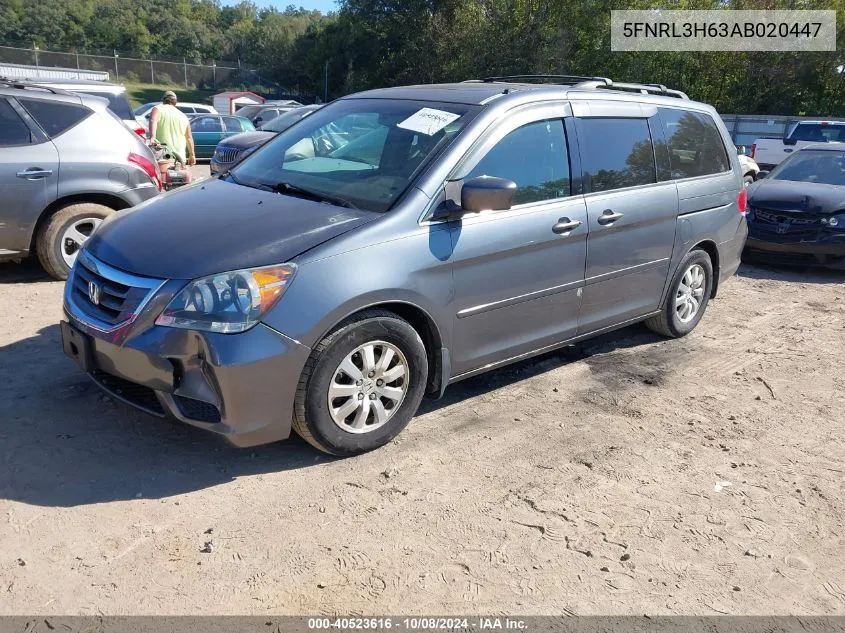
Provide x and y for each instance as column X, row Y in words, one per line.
column 167, row 94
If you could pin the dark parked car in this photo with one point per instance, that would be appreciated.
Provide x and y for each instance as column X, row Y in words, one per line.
column 400, row 240
column 209, row 129
column 263, row 113
column 796, row 212
column 235, row 148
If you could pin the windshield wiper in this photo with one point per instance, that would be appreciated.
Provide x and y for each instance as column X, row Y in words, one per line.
column 296, row 190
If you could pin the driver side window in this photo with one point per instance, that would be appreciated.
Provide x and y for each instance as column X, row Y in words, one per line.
column 533, row 156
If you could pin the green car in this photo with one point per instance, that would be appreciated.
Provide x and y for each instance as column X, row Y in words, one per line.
column 209, row 129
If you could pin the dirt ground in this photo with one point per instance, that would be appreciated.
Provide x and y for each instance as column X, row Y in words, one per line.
column 626, row 475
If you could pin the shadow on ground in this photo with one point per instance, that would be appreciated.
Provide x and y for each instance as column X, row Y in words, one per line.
column 798, row 274
column 27, row 271
column 65, row 443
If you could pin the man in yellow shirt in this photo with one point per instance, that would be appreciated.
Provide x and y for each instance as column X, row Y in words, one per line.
column 171, row 127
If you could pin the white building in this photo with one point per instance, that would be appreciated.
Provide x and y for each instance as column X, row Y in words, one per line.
column 20, row 71
column 229, row 102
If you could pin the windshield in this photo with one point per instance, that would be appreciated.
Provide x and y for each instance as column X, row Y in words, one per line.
column 363, row 151
column 249, row 111
column 141, row 109
column 821, row 166
column 284, row 121
column 117, row 103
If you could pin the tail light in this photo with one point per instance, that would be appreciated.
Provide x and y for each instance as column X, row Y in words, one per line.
column 141, row 132
column 753, row 149
column 742, row 201
column 147, row 165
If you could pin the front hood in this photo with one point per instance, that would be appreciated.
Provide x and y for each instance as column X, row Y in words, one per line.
column 215, row 226
column 247, row 139
column 788, row 195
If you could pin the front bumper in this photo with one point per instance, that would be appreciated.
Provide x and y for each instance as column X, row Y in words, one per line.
column 240, row 386
column 826, row 250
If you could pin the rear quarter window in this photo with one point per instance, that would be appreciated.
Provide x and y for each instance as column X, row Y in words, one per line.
column 695, row 145
column 55, row 117
column 117, row 103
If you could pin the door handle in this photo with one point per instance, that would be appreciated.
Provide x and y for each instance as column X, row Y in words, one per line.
column 34, row 174
column 609, row 216
column 564, row 225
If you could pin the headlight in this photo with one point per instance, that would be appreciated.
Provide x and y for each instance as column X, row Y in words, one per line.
column 228, row 302
column 835, row 221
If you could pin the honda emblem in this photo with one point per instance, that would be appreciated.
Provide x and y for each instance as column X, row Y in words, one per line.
column 94, row 293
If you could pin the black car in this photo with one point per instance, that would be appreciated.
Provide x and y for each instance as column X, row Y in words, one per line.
column 235, row 148
column 796, row 212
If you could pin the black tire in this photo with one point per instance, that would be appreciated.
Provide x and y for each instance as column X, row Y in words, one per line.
column 668, row 322
column 49, row 242
column 747, row 179
column 312, row 420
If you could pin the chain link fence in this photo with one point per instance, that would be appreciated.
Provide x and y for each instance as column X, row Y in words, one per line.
column 126, row 68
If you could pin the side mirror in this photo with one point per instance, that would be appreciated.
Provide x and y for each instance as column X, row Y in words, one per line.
column 740, row 150
column 257, row 121
column 789, row 141
column 487, row 193
column 762, row 174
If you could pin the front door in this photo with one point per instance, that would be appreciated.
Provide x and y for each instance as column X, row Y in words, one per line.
column 29, row 176
column 518, row 274
column 632, row 218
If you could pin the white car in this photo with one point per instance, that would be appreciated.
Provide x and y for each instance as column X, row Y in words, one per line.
column 748, row 165
column 142, row 112
column 769, row 152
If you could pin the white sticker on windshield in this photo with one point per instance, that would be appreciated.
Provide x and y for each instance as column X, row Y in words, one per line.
column 428, row 121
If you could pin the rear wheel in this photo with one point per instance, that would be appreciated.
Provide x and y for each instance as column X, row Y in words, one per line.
column 65, row 233
column 362, row 385
column 688, row 296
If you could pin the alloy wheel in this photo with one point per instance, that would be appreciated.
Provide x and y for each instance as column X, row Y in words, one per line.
column 690, row 293
column 368, row 387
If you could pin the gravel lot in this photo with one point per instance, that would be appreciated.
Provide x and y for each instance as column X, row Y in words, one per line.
column 626, row 475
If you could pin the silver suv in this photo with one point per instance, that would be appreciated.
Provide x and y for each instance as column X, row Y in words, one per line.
column 66, row 163
column 399, row 240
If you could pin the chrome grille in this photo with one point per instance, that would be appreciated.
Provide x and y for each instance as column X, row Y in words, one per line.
column 780, row 217
column 104, row 296
column 225, row 154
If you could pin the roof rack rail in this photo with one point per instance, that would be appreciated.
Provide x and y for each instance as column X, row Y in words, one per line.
column 562, row 79
column 659, row 89
column 28, row 83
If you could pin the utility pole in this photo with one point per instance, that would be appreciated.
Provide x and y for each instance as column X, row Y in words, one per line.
column 152, row 71
column 185, row 69
column 116, row 72
column 214, row 73
column 35, row 50
column 326, row 86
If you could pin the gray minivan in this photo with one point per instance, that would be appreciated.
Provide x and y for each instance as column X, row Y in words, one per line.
column 400, row 240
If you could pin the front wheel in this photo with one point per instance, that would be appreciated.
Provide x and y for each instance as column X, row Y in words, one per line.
column 65, row 233
column 362, row 385
column 688, row 296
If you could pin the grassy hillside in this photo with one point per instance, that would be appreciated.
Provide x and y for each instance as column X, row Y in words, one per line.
column 147, row 93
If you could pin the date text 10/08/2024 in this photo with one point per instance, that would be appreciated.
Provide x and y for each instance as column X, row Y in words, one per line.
column 419, row 624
